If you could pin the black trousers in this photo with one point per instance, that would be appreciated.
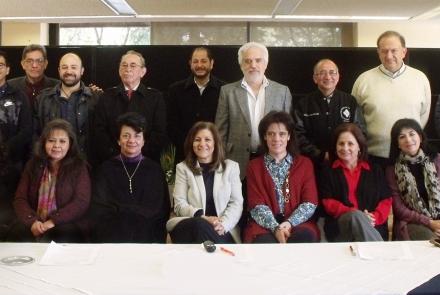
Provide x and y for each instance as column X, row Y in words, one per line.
column 196, row 230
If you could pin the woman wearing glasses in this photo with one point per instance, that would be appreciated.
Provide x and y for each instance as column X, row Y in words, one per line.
column 281, row 187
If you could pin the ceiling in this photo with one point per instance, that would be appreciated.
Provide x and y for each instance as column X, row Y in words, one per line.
column 80, row 11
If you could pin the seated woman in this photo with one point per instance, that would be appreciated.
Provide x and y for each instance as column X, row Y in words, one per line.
column 281, row 188
column 207, row 195
column 130, row 202
column 54, row 190
column 414, row 182
column 354, row 192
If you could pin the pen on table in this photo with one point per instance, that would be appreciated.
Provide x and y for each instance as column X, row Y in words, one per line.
column 352, row 251
column 229, row 252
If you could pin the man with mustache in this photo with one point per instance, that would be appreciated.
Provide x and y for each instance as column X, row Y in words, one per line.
column 131, row 95
column 71, row 100
column 244, row 103
column 192, row 99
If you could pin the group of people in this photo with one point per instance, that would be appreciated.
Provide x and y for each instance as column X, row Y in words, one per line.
column 251, row 165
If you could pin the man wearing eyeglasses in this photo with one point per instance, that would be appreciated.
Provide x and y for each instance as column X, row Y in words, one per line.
column 317, row 114
column 70, row 99
column 244, row 103
column 130, row 96
column 390, row 92
column 34, row 63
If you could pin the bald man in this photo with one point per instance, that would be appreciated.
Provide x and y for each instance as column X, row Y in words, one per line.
column 318, row 113
column 70, row 100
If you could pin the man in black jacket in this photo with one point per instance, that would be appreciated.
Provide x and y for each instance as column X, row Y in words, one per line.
column 130, row 96
column 192, row 99
column 15, row 118
column 320, row 112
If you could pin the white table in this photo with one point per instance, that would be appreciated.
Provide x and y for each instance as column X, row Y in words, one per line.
column 323, row 268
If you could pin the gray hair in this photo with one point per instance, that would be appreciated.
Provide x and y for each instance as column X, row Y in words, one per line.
column 249, row 45
column 135, row 53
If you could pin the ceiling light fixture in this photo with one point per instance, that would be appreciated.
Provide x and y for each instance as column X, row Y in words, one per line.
column 120, row 7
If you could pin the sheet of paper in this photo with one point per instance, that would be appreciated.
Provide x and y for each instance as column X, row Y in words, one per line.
column 383, row 251
column 59, row 254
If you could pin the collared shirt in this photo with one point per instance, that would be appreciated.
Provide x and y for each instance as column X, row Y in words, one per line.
column 256, row 109
column 33, row 90
column 391, row 74
column 201, row 87
column 69, row 106
column 263, row 215
column 134, row 88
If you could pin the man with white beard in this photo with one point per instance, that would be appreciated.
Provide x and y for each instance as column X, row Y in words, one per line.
column 244, row 103
column 70, row 100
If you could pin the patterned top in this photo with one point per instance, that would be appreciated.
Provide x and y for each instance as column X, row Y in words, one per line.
column 262, row 213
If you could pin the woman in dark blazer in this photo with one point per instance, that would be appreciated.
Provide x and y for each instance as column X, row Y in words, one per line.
column 355, row 195
column 54, row 190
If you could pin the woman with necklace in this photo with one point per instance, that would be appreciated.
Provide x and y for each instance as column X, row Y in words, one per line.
column 207, row 195
column 281, row 188
column 355, row 195
column 130, row 201
column 414, row 181
column 54, row 190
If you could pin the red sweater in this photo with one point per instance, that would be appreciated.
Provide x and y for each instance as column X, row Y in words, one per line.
column 261, row 190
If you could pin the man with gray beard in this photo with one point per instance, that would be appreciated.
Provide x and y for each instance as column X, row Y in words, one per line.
column 70, row 100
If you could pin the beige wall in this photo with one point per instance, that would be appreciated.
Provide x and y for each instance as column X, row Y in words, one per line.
column 20, row 34
column 417, row 34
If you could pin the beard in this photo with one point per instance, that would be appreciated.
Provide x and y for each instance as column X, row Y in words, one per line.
column 70, row 82
column 201, row 75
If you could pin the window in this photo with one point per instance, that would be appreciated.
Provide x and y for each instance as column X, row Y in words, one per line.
column 298, row 34
column 195, row 33
column 98, row 34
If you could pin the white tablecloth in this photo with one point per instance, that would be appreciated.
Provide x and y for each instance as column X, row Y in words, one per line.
column 323, row 268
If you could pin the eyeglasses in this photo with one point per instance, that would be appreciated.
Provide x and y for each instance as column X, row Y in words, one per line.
column 281, row 134
column 2, row 66
column 324, row 73
column 258, row 60
column 38, row 61
column 131, row 66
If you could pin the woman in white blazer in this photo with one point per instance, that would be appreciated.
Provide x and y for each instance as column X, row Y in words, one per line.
column 207, row 194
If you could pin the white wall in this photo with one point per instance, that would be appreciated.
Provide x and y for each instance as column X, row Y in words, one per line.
column 417, row 34
column 21, row 34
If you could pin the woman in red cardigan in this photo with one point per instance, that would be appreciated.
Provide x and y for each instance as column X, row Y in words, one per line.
column 54, row 189
column 281, row 187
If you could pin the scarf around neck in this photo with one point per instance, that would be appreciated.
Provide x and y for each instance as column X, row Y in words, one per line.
column 407, row 184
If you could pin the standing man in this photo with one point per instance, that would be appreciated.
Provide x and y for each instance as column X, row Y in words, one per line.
column 34, row 63
column 15, row 119
column 390, row 92
column 244, row 103
column 70, row 100
column 192, row 99
column 130, row 96
column 320, row 112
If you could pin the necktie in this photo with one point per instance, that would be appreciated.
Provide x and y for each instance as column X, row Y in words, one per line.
column 129, row 93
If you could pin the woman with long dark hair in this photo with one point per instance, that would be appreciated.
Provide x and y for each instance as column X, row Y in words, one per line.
column 414, row 181
column 54, row 189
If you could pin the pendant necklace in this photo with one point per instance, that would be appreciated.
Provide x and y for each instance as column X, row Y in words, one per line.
column 130, row 177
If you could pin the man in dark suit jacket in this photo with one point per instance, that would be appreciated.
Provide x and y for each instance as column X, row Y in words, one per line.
column 34, row 63
column 130, row 96
column 244, row 103
column 192, row 99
